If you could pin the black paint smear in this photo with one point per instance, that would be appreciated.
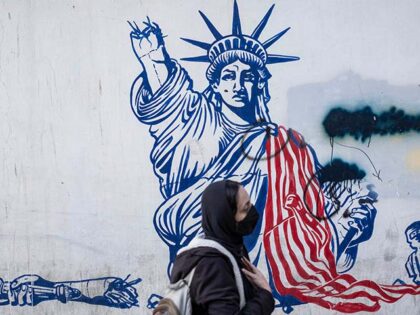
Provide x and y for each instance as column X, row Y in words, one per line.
column 335, row 172
column 338, row 170
column 363, row 123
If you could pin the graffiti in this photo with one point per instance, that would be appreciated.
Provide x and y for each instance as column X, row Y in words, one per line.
column 225, row 132
column 338, row 170
column 271, row 131
column 31, row 290
column 364, row 123
column 376, row 173
column 341, row 187
column 412, row 265
column 335, row 179
column 357, row 222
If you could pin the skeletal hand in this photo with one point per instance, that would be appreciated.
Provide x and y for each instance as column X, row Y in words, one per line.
column 20, row 291
column 146, row 41
column 362, row 219
column 122, row 293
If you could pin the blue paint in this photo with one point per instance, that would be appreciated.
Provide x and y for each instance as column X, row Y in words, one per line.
column 202, row 137
column 181, row 118
column 412, row 265
column 153, row 300
column 30, row 290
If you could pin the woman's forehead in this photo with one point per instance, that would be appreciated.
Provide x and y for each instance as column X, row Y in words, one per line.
column 242, row 196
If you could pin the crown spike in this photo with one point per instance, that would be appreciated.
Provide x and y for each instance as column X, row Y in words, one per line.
column 237, row 41
column 236, row 20
column 197, row 59
column 275, row 38
column 260, row 27
column 211, row 27
column 203, row 45
column 280, row 58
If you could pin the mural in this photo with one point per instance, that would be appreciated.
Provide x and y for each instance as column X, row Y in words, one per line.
column 413, row 261
column 30, row 290
column 319, row 122
column 225, row 132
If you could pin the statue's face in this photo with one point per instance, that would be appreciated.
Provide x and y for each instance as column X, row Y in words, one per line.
column 237, row 84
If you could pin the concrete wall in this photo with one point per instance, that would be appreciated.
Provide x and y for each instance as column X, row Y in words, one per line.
column 77, row 188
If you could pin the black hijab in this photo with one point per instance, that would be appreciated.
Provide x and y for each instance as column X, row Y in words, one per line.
column 218, row 219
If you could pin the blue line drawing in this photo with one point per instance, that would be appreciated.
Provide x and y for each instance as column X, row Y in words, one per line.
column 201, row 137
column 30, row 290
column 153, row 300
column 412, row 265
column 356, row 223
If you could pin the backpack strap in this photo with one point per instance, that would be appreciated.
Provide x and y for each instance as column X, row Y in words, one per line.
column 189, row 277
column 202, row 242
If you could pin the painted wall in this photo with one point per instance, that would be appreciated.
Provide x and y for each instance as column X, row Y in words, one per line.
column 78, row 189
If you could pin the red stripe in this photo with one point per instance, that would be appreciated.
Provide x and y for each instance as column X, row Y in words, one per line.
column 269, row 203
column 302, row 272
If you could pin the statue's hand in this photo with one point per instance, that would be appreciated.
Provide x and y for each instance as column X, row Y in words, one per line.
column 361, row 219
column 122, row 293
column 147, row 42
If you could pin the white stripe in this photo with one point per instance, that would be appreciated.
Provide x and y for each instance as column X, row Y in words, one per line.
column 274, row 174
column 335, row 300
column 307, row 250
column 277, row 260
column 299, row 257
column 373, row 292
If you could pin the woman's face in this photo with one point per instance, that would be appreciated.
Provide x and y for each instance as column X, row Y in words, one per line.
column 243, row 204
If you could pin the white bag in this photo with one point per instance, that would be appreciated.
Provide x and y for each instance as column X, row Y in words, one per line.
column 179, row 292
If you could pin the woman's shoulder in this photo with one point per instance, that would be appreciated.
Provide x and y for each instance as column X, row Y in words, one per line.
column 212, row 257
column 214, row 267
column 200, row 258
column 213, row 275
column 207, row 257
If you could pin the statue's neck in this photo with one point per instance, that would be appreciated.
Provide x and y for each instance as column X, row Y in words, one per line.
column 239, row 116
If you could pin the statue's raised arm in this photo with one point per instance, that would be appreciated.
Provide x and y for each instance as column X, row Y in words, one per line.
column 149, row 48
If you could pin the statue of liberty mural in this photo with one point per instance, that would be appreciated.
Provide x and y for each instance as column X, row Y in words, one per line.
column 225, row 132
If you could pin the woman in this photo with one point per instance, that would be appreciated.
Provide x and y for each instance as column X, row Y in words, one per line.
column 227, row 216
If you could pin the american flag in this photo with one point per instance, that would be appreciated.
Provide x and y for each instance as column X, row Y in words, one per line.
column 298, row 246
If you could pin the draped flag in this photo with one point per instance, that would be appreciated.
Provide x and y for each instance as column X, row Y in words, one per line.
column 297, row 244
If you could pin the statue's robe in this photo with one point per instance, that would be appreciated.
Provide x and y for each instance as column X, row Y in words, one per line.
column 196, row 143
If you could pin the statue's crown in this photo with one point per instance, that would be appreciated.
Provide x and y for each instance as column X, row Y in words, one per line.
column 239, row 41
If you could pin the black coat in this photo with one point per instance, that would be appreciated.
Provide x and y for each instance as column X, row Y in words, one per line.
column 213, row 288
